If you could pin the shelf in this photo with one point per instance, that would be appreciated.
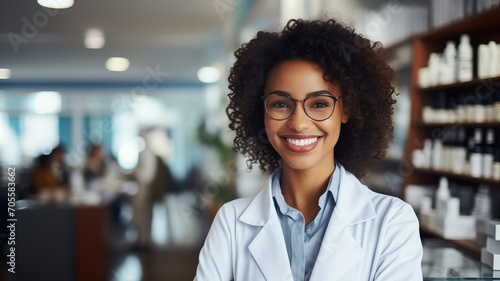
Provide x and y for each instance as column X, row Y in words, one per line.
column 481, row 28
column 467, row 125
column 466, row 245
column 485, row 22
column 451, row 175
column 398, row 44
column 460, row 85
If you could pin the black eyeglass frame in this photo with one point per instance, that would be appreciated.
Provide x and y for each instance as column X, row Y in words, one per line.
column 335, row 99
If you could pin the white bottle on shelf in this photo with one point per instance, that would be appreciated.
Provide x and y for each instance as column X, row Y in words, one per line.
column 498, row 61
column 448, row 68
column 495, row 174
column 464, row 59
column 493, row 62
column 460, row 152
column 437, row 149
column 483, row 61
column 479, row 112
column 482, row 202
column 442, row 196
column 434, row 69
column 476, row 155
column 427, row 150
column 488, row 153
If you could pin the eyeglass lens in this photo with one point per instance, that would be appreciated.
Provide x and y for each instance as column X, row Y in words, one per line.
column 316, row 107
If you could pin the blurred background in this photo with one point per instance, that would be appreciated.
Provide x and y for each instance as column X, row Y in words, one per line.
column 112, row 114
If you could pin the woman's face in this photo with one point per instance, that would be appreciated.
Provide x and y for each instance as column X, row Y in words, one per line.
column 300, row 79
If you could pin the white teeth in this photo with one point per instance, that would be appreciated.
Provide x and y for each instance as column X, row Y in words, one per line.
column 302, row 142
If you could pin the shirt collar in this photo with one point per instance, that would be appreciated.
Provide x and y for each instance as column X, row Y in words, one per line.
column 333, row 189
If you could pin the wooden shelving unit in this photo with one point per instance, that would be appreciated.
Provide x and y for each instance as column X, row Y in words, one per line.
column 487, row 82
column 481, row 28
column 491, row 182
column 459, row 124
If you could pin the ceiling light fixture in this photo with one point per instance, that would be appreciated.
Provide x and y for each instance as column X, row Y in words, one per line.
column 56, row 4
column 209, row 74
column 4, row 73
column 94, row 39
column 117, row 64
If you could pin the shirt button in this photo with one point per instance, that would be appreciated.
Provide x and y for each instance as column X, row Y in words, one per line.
column 308, row 231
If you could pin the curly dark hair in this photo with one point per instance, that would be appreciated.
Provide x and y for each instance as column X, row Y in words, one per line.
column 348, row 59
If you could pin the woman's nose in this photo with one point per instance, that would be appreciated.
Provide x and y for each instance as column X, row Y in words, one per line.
column 299, row 121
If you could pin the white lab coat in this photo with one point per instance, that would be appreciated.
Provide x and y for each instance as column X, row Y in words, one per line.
column 370, row 236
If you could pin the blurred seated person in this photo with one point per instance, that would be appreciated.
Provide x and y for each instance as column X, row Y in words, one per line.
column 59, row 167
column 51, row 173
column 43, row 176
column 95, row 166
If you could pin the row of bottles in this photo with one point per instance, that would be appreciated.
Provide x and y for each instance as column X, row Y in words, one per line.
column 463, row 108
column 456, row 209
column 473, row 152
column 456, row 65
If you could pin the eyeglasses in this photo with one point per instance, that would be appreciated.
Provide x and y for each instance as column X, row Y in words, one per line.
column 318, row 107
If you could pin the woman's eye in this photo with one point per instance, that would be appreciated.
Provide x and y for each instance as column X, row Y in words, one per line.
column 319, row 104
column 279, row 104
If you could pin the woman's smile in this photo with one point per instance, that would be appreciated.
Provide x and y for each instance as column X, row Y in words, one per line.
column 301, row 144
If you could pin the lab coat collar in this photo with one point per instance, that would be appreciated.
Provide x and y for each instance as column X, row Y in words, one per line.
column 339, row 250
column 353, row 203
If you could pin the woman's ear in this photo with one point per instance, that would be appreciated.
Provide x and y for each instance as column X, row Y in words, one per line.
column 345, row 116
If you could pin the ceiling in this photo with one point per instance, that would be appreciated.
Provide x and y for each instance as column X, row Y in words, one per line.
column 170, row 38
column 44, row 48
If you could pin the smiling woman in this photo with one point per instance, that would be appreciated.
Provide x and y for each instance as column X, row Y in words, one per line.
column 313, row 105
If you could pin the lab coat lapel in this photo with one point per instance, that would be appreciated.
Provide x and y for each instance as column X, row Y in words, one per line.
column 339, row 251
column 268, row 248
column 269, row 251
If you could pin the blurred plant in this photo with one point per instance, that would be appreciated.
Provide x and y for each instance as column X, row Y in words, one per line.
column 222, row 187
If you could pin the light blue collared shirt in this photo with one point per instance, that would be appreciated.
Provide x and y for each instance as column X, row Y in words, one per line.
column 303, row 243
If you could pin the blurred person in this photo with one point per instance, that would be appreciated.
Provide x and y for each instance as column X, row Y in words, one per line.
column 59, row 167
column 95, row 165
column 153, row 179
column 43, row 175
column 312, row 105
column 51, row 173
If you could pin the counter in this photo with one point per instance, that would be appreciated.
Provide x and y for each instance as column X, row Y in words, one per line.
column 63, row 241
column 442, row 262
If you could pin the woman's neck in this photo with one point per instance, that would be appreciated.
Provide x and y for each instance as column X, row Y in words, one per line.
column 302, row 188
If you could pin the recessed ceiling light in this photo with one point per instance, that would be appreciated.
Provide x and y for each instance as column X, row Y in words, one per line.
column 4, row 73
column 117, row 64
column 94, row 39
column 56, row 4
column 209, row 74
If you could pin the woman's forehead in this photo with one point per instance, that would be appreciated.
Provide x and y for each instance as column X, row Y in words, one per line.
column 299, row 77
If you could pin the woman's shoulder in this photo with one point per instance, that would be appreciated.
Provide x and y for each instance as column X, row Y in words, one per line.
column 382, row 203
column 233, row 209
